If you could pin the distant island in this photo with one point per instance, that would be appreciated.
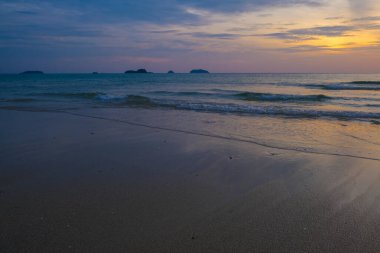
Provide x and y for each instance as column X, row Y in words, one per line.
column 95, row 73
column 170, row 72
column 139, row 71
column 32, row 72
column 199, row 71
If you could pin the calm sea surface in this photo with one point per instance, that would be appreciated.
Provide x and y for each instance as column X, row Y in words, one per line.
column 344, row 97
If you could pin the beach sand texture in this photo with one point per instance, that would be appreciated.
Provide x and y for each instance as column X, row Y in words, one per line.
column 85, row 182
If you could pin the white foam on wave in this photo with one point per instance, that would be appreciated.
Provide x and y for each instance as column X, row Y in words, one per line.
column 269, row 110
column 107, row 97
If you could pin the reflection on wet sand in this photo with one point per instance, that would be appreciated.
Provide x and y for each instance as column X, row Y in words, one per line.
column 93, row 183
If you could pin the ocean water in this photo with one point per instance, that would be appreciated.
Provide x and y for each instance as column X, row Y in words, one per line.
column 335, row 115
column 327, row 96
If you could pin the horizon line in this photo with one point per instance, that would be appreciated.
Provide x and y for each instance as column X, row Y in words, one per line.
column 92, row 73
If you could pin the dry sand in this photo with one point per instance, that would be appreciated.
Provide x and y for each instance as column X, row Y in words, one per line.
column 80, row 184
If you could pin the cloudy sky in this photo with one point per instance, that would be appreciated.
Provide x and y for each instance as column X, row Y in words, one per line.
column 339, row 36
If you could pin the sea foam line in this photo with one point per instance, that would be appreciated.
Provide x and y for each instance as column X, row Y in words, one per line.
column 251, row 141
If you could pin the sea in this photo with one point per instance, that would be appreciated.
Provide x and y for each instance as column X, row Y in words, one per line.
column 307, row 112
column 345, row 97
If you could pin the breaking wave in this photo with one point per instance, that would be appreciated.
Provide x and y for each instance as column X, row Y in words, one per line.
column 134, row 100
column 347, row 87
column 253, row 96
column 248, row 96
column 184, row 93
column 234, row 103
column 366, row 82
column 267, row 110
column 356, row 85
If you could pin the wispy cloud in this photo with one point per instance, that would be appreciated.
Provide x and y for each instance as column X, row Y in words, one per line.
column 362, row 7
column 366, row 19
column 328, row 31
column 311, row 33
column 288, row 36
column 334, row 18
column 161, row 33
column 224, row 36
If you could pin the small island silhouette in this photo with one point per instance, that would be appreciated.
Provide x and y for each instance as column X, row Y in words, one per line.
column 199, row 71
column 170, row 72
column 139, row 71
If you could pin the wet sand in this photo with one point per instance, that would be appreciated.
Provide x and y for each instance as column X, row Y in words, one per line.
column 85, row 184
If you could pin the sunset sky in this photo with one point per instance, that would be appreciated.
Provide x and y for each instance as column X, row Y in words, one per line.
column 336, row 36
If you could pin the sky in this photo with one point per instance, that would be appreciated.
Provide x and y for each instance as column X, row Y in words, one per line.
column 306, row 36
